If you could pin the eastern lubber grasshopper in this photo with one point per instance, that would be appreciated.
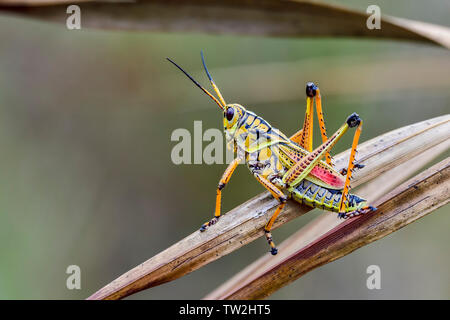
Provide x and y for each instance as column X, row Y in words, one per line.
column 289, row 165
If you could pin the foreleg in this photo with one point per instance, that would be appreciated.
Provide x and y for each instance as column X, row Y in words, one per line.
column 223, row 181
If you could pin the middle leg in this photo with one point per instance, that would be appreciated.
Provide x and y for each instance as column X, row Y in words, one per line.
column 281, row 197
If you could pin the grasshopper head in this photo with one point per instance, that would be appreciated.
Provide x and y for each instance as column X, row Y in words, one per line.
column 231, row 115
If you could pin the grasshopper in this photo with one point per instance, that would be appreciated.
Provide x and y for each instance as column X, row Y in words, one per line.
column 288, row 167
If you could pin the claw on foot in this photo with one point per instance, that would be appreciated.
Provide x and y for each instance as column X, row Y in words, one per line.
column 342, row 215
column 209, row 223
column 273, row 249
column 343, row 171
column 346, row 215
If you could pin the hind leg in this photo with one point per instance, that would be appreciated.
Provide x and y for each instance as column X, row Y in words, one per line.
column 304, row 136
column 353, row 121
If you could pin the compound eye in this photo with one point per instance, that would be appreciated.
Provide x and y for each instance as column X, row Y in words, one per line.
column 229, row 114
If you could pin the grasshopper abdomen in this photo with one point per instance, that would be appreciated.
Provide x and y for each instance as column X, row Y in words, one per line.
column 316, row 196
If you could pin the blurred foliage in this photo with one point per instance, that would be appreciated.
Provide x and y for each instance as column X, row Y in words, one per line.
column 87, row 178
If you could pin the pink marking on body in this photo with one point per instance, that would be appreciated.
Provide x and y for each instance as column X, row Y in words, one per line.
column 328, row 177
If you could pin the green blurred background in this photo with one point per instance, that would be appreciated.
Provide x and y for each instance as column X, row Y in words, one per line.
column 86, row 176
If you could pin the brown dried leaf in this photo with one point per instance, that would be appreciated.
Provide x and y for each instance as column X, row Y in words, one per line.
column 288, row 18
